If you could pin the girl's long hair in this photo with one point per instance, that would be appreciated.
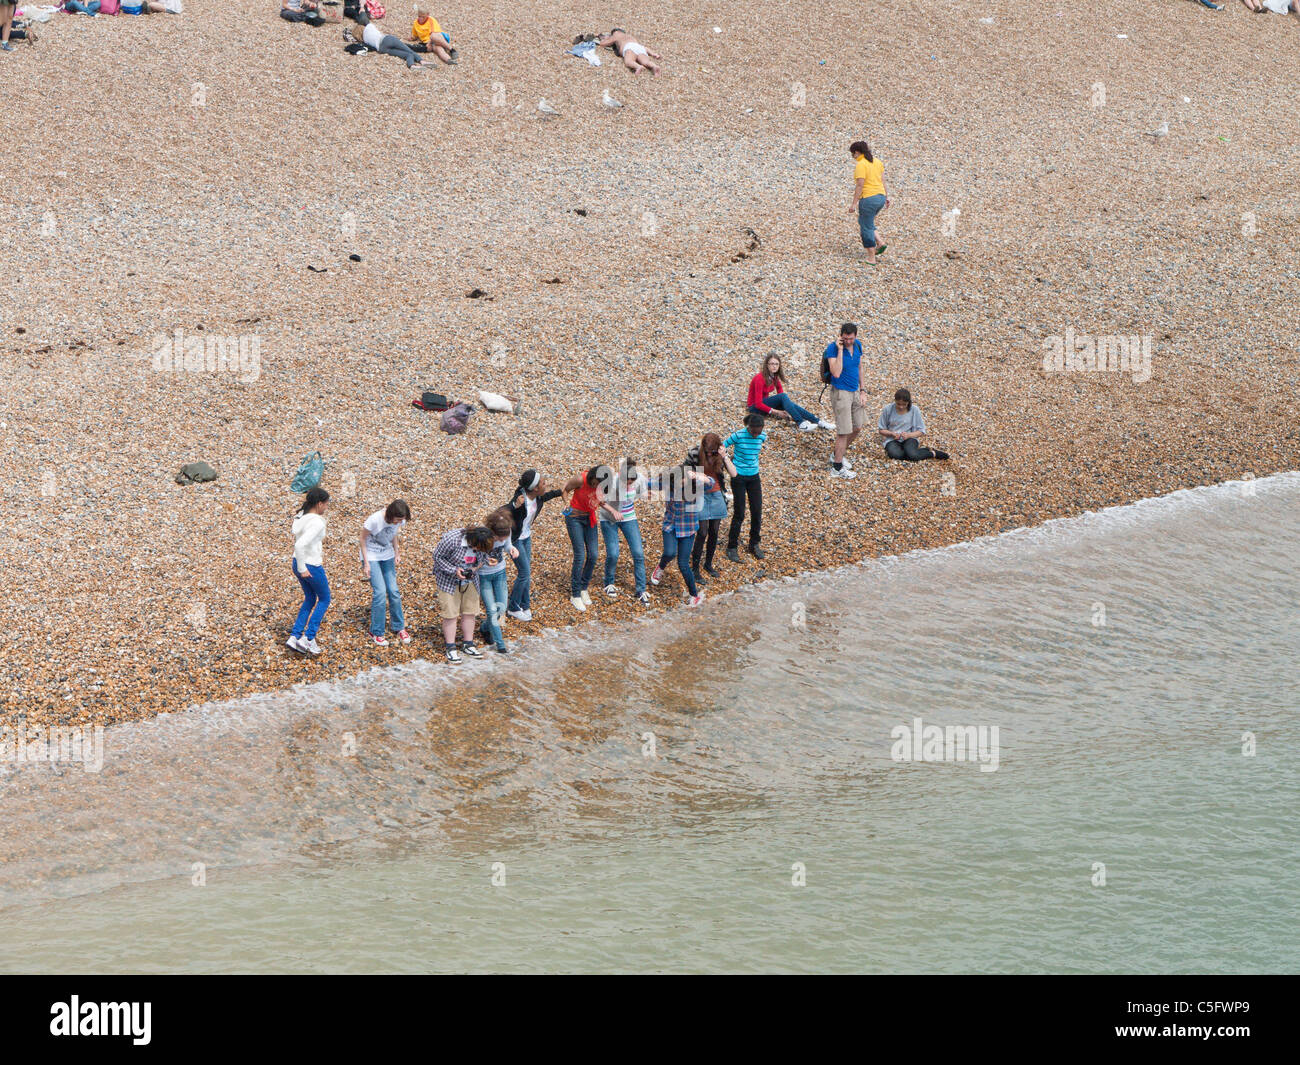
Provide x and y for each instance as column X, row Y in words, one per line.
column 864, row 148
column 780, row 369
column 711, row 456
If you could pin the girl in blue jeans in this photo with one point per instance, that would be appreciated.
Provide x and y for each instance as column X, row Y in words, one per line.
column 585, row 493
column 379, row 558
column 492, row 578
column 682, row 488
column 308, row 567
column 627, row 488
column 525, row 507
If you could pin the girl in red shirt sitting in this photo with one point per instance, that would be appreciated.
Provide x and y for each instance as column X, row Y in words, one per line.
column 768, row 397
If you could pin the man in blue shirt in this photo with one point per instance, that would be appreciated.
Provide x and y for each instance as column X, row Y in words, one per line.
column 845, row 358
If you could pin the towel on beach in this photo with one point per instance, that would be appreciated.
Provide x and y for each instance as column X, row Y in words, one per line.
column 586, row 50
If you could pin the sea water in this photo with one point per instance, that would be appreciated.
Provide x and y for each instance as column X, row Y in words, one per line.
column 737, row 788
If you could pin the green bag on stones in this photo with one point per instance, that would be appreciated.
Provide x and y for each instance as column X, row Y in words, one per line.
column 310, row 471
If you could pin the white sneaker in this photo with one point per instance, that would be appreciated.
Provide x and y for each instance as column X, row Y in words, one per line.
column 586, row 598
column 848, row 463
column 520, row 615
column 295, row 643
column 822, row 423
column 578, row 604
column 807, row 427
column 696, row 600
column 312, row 646
column 611, row 591
column 644, row 598
column 844, row 474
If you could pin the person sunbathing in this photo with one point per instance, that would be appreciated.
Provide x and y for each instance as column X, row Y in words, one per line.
column 307, row 11
column 634, row 54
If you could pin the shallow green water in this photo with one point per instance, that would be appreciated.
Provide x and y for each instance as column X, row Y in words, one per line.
column 1119, row 744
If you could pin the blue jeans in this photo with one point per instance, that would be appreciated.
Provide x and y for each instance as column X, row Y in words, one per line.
column 780, row 401
column 492, row 587
column 679, row 547
column 609, row 531
column 868, row 208
column 383, row 591
column 520, row 597
column 582, row 535
column 91, row 8
column 315, row 600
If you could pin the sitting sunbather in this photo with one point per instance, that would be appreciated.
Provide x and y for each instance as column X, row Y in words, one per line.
column 428, row 36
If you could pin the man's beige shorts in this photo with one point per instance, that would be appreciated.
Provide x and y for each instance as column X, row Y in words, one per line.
column 849, row 416
column 454, row 604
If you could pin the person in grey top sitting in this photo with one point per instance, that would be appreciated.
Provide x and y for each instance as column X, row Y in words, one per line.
column 901, row 427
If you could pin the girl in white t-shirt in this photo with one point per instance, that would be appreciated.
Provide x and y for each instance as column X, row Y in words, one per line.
column 379, row 557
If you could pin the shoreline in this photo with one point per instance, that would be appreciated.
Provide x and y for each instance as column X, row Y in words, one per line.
column 433, row 668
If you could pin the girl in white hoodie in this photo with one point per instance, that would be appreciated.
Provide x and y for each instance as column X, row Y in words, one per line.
column 308, row 531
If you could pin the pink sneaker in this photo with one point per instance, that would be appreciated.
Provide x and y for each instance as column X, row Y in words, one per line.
column 696, row 600
column 380, row 641
column 404, row 636
column 658, row 572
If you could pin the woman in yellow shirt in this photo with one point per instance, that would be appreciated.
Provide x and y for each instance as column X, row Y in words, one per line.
column 869, row 197
column 428, row 36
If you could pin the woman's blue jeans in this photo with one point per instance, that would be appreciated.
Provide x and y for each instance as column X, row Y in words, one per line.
column 679, row 547
column 582, row 535
column 868, row 208
column 492, row 587
column 315, row 600
column 383, row 592
column 520, row 597
column 781, row 401
column 631, row 530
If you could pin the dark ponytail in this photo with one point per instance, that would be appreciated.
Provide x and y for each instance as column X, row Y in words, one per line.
column 315, row 497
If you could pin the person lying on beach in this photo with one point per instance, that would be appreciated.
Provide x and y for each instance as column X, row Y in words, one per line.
column 901, row 427
column 374, row 39
column 428, row 36
column 307, row 11
column 634, row 54
column 163, row 7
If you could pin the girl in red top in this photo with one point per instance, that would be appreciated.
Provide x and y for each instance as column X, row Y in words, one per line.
column 767, row 396
column 585, row 495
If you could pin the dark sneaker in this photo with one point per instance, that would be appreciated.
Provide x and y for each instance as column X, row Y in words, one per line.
column 757, row 551
column 708, row 568
column 733, row 555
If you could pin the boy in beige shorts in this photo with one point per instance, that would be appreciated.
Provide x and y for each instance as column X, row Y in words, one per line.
column 844, row 360
column 457, row 559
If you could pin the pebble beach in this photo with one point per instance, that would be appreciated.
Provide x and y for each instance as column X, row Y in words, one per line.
column 223, row 173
